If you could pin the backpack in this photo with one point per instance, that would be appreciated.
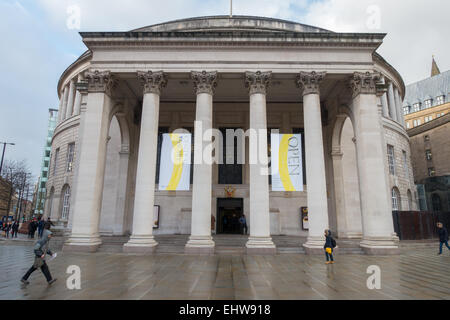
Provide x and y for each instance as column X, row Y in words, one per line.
column 333, row 243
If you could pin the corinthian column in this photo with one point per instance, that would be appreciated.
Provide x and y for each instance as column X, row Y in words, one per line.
column 70, row 99
column 315, row 161
column 377, row 223
column 259, row 241
column 200, row 241
column 142, row 240
column 91, row 171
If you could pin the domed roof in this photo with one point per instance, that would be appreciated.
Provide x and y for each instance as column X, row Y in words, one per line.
column 234, row 23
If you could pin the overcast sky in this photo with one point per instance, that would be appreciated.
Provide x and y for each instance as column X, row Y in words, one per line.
column 40, row 41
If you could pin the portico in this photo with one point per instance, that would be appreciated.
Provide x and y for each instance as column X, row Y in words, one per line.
column 255, row 81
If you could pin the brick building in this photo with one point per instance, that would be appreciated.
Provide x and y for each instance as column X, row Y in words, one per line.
column 5, row 196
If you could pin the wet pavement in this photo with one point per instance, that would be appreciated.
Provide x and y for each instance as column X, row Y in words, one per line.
column 415, row 274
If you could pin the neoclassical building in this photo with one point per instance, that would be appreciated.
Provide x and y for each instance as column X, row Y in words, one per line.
column 129, row 88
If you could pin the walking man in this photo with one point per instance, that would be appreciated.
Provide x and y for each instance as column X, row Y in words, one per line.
column 443, row 237
column 41, row 250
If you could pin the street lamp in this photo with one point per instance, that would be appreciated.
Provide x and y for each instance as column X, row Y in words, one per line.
column 3, row 154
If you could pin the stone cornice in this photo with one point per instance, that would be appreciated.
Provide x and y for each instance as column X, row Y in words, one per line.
column 100, row 81
column 364, row 83
column 152, row 82
column 257, row 82
column 204, row 82
column 309, row 82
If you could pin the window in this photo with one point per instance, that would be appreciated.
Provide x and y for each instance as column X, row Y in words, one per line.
column 70, row 151
column 55, row 161
column 416, row 107
column 436, row 202
column 440, row 100
column 431, row 172
column 391, row 159
column 410, row 200
column 405, row 164
column 416, row 123
column 407, row 109
column 395, row 199
column 66, row 203
column 428, row 103
column 47, row 153
column 440, row 114
column 428, row 118
column 426, row 138
column 428, row 155
column 408, row 125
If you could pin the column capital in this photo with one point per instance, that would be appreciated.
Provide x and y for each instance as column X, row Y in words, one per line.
column 153, row 82
column 309, row 82
column 257, row 82
column 204, row 82
column 366, row 83
column 82, row 86
column 100, row 81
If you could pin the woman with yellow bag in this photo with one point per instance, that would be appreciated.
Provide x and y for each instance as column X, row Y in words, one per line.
column 330, row 244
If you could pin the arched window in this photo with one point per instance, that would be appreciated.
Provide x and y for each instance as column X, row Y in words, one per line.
column 436, row 202
column 65, row 203
column 395, row 199
column 410, row 200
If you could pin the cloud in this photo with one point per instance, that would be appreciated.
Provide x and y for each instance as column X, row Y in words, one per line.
column 415, row 29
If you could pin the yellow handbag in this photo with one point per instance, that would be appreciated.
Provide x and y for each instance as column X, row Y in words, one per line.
column 328, row 250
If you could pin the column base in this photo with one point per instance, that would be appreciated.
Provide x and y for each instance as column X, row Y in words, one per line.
column 140, row 245
column 380, row 246
column 260, row 245
column 314, row 245
column 77, row 243
column 203, row 245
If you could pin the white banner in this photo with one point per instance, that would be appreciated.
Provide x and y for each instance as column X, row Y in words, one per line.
column 175, row 164
column 286, row 162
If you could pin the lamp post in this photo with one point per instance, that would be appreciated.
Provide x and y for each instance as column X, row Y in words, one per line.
column 3, row 153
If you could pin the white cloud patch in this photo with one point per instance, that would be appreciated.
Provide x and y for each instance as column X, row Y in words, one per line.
column 415, row 29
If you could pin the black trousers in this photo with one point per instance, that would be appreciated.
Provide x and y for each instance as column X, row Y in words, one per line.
column 44, row 269
column 14, row 234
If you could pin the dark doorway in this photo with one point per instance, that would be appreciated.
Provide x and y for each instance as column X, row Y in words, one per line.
column 228, row 213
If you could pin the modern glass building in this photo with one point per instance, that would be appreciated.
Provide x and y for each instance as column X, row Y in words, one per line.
column 52, row 121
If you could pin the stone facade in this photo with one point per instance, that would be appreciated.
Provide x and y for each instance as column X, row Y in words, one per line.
column 347, row 100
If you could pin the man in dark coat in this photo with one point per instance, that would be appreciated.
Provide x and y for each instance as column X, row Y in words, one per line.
column 15, row 229
column 41, row 249
column 443, row 237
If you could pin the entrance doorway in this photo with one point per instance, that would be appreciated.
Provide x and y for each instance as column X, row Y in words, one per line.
column 228, row 213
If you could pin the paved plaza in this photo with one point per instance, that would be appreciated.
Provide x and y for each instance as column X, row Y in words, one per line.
column 415, row 274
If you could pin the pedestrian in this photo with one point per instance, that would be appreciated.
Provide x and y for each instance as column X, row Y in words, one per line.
column 443, row 237
column 34, row 227
column 15, row 229
column 41, row 249
column 40, row 226
column 330, row 244
column 30, row 228
column 8, row 229
column 243, row 222
column 50, row 221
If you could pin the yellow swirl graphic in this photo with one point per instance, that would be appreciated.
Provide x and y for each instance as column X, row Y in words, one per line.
column 177, row 170
column 282, row 163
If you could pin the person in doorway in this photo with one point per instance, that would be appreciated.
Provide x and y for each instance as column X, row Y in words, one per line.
column 243, row 222
column 443, row 237
column 15, row 229
column 41, row 249
column 330, row 244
